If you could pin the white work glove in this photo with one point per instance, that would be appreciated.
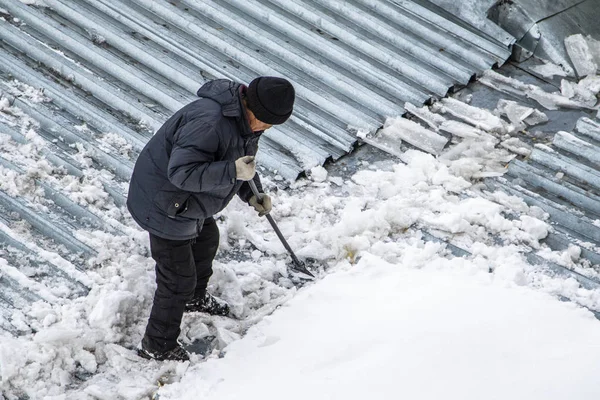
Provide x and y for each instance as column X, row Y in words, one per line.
column 261, row 204
column 245, row 168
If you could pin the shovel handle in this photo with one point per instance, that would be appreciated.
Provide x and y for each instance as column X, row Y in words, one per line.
column 255, row 191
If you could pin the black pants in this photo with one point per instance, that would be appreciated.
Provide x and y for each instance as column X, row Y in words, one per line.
column 183, row 268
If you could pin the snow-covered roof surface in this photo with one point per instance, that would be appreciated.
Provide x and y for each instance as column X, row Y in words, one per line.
column 70, row 130
column 109, row 72
column 521, row 136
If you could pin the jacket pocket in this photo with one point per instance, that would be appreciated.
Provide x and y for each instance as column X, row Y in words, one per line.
column 177, row 205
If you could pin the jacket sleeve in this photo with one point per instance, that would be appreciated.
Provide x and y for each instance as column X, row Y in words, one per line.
column 245, row 192
column 192, row 166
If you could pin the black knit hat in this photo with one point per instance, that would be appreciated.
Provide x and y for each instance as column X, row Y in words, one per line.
column 271, row 99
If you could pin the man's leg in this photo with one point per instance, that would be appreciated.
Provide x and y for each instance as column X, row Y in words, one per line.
column 204, row 251
column 176, row 281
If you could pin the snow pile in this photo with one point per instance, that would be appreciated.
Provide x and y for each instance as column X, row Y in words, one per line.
column 402, row 307
column 88, row 342
column 472, row 152
column 384, row 330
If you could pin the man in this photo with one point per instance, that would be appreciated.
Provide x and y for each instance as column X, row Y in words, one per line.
column 189, row 171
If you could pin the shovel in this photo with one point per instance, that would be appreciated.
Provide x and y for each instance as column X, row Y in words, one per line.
column 298, row 265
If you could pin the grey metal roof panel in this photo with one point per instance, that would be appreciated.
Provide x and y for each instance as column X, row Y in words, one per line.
column 474, row 13
column 353, row 63
column 564, row 180
column 571, row 167
column 541, row 26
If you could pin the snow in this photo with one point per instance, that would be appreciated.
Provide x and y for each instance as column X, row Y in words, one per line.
column 376, row 215
column 422, row 327
column 391, row 314
column 536, row 228
column 318, row 174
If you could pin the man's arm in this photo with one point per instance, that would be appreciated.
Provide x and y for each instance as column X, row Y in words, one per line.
column 192, row 166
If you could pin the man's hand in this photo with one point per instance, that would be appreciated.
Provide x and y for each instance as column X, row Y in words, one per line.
column 245, row 168
column 261, row 204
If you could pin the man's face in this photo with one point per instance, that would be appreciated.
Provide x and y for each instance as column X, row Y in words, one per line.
column 255, row 124
column 260, row 126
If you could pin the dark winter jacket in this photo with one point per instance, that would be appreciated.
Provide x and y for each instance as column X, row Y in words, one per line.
column 186, row 172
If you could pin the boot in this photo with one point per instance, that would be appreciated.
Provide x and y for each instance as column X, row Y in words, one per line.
column 176, row 354
column 208, row 304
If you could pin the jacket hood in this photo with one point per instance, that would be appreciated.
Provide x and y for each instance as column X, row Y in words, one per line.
column 224, row 92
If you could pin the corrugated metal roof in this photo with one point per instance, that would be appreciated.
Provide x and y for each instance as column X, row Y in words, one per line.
column 541, row 26
column 564, row 180
column 123, row 67
column 353, row 63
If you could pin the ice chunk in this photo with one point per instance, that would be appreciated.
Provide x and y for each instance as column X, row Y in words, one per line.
column 536, row 118
column 517, row 146
column 580, row 54
column 424, row 114
column 551, row 101
column 520, row 116
column 567, row 88
column 413, row 133
column 225, row 337
column 591, row 83
column 579, row 92
column 460, row 129
column 594, row 46
column 515, row 112
column 440, row 123
column 87, row 360
column 574, row 252
column 549, row 69
column 198, row 330
column 475, row 116
column 336, row 180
